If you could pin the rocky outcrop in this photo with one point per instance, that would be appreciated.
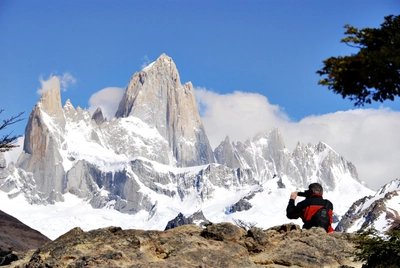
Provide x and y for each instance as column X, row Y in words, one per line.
column 196, row 218
column 122, row 188
column 98, row 116
column 217, row 245
column 243, row 204
column 21, row 182
column 156, row 96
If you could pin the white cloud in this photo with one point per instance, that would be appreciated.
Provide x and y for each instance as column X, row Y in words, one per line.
column 365, row 137
column 63, row 82
column 66, row 80
column 107, row 99
column 239, row 115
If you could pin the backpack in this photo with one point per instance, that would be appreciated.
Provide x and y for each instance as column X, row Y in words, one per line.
column 321, row 218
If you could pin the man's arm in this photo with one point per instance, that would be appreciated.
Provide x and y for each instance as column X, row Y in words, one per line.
column 293, row 212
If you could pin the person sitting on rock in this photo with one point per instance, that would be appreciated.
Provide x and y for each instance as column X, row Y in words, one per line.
column 311, row 209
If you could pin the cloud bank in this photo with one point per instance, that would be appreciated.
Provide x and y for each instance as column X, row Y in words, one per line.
column 238, row 115
column 365, row 137
column 108, row 100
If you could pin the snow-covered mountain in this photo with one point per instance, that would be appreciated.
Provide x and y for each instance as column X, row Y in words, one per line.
column 153, row 161
column 380, row 210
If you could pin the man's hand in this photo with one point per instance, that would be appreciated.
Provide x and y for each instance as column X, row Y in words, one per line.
column 293, row 195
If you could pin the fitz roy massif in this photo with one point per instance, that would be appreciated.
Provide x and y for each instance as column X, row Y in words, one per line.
column 153, row 162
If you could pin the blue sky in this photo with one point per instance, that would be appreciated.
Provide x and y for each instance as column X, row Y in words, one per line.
column 262, row 54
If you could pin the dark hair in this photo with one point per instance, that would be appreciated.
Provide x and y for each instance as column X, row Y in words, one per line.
column 316, row 188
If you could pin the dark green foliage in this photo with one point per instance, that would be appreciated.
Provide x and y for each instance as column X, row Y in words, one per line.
column 373, row 74
column 378, row 250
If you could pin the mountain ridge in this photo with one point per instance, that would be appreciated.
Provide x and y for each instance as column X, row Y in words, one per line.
column 144, row 166
column 16, row 236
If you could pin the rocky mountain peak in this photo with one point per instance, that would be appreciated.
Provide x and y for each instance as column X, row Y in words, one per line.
column 391, row 186
column 163, row 65
column 156, row 96
column 226, row 154
column 50, row 101
column 154, row 82
column 380, row 211
column 98, row 116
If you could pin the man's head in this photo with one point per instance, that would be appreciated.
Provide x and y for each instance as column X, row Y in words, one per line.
column 316, row 188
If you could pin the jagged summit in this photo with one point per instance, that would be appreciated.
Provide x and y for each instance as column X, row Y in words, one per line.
column 40, row 153
column 156, row 96
column 50, row 101
column 154, row 82
column 98, row 116
column 226, row 155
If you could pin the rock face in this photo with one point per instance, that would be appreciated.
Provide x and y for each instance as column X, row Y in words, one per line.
column 156, row 96
column 44, row 135
column 217, row 245
column 98, row 116
column 242, row 205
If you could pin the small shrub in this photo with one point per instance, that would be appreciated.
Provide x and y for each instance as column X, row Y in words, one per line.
column 378, row 250
column 243, row 224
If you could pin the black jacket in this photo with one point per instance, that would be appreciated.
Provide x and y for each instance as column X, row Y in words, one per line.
column 306, row 209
